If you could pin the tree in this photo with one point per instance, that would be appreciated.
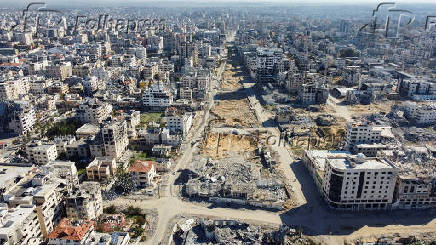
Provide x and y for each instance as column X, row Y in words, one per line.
column 132, row 211
column 137, row 231
column 123, row 184
column 140, row 220
column 110, row 210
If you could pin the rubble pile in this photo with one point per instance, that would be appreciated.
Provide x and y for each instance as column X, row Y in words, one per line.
column 234, row 178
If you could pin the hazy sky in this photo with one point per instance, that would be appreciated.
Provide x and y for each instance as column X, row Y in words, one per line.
column 5, row 3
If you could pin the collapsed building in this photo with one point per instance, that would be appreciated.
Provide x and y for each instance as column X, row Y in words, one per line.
column 234, row 180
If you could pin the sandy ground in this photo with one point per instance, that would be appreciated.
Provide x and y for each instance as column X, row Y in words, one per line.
column 233, row 113
column 220, row 145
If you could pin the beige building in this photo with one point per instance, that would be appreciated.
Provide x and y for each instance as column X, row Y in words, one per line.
column 86, row 202
column 142, row 173
column 102, row 168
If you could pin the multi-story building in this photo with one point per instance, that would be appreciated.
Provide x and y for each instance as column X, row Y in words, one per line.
column 421, row 115
column 61, row 71
column 114, row 138
column 416, row 88
column 74, row 232
column 49, row 205
column 157, row 95
column 178, row 122
column 65, row 170
column 154, row 44
column 142, row 173
column 269, row 63
column 365, row 133
column 150, row 71
column 85, row 202
column 19, row 225
column 312, row 93
column 93, row 111
column 12, row 90
column 21, row 117
column 41, row 153
column 102, row 168
column 351, row 75
column 359, row 183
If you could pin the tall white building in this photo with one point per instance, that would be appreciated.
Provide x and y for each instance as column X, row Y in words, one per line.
column 41, row 153
column 359, row 183
column 21, row 117
column 86, row 202
column 157, row 95
column 178, row 122
column 114, row 138
column 19, row 225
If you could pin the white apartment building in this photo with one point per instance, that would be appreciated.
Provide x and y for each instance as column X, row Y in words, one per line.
column 142, row 173
column 49, row 201
column 94, row 111
column 22, row 119
column 420, row 114
column 19, row 225
column 359, row 183
column 12, row 90
column 364, row 133
column 65, row 170
column 177, row 122
column 41, row 153
column 157, row 95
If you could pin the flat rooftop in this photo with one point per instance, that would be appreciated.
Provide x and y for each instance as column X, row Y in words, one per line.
column 351, row 163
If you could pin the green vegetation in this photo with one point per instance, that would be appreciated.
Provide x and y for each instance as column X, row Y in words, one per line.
column 63, row 128
column 137, row 231
column 123, row 184
column 110, row 210
column 141, row 156
column 81, row 171
column 131, row 211
column 146, row 118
